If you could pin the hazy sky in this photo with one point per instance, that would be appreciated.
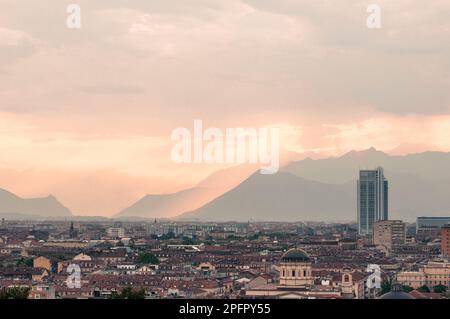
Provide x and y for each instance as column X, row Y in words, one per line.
column 87, row 114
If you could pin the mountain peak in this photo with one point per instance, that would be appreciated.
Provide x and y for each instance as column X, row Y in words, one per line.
column 38, row 207
column 325, row 189
column 367, row 152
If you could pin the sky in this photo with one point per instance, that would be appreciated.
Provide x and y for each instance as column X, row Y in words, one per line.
column 87, row 114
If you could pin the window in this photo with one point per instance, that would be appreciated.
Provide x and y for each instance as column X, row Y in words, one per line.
column 293, row 273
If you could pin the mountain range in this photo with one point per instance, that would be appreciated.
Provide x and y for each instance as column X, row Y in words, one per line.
column 325, row 190
column 13, row 206
column 174, row 204
column 303, row 190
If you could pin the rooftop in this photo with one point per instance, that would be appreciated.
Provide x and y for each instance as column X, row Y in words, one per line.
column 295, row 255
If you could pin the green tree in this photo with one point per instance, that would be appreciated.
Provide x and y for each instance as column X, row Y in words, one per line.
column 188, row 241
column 147, row 258
column 129, row 293
column 386, row 286
column 132, row 244
column 440, row 289
column 120, row 244
column 168, row 236
column 22, row 262
column 14, row 293
column 423, row 288
column 407, row 288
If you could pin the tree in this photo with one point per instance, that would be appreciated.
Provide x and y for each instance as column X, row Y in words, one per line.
column 254, row 237
column 40, row 234
column 129, row 293
column 385, row 286
column 423, row 288
column 132, row 244
column 120, row 244
column 188, row 241
column 168, row 236
column 147, row 258
column 407, row 288
column 440, row 289
column 22, row 262
column 14, row 293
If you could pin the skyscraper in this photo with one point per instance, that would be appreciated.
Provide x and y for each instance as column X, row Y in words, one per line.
column 373, row 198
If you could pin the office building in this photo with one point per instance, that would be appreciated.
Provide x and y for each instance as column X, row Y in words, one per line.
column 429, row 228
column 373, row 198
column 388, row 233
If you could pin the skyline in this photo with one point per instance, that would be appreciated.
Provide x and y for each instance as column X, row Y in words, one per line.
column 239, row 194
column 86, row 115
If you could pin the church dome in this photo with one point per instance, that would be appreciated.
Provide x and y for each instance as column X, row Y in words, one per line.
column 396, row 293
column 295, row 255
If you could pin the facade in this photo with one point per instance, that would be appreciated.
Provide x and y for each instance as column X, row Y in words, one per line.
column 116, row 232
column 413, row 279
column 373, row 199
column 388, row 233
column 445, row 240
column 432, row 274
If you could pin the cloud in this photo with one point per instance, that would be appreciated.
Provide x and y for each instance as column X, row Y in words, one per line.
column 401, row 68
column 388, row 132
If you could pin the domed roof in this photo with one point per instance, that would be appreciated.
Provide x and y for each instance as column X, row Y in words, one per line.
column 396, row 293
column 295, row 255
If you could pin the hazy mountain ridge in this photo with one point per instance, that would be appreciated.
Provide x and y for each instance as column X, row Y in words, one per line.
column 11, row 204
column 427, row 165
column 325, row 190
column 157, row 206
column 279, row 197
column 171, row 205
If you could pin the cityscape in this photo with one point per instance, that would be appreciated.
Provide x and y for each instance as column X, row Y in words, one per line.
column 376, row 257
column 224, row 158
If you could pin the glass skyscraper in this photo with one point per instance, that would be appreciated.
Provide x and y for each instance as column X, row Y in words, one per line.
column 373, row 197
